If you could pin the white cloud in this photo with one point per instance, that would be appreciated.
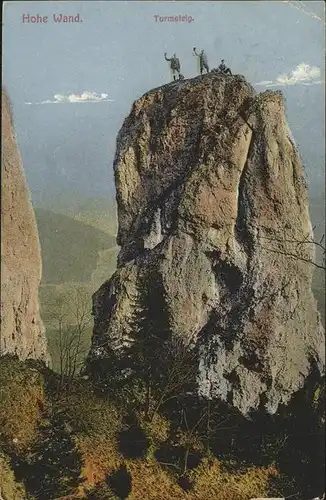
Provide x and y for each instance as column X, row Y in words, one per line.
column 85, row 96
column 303, row 74
column 265, row 83
column 57, row 97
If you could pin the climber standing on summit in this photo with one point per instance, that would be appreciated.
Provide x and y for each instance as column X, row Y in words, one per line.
column 203, row 64
column 174, row 65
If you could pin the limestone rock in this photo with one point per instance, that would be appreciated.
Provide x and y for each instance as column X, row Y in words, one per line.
column 22, row 331
column 211, row 194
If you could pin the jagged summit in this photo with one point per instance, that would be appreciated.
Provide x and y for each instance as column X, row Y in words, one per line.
column 209, row 186
column 214, row 76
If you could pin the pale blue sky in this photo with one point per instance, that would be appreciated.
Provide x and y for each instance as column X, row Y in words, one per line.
column 118, row 50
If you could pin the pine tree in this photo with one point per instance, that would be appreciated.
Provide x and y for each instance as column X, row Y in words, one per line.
column 150, row 332
column 163, row 367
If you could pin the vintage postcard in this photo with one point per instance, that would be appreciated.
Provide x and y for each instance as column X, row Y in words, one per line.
column 162, row 250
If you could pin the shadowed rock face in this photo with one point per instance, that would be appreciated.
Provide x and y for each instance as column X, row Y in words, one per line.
column 22, row 331
column 209, row 186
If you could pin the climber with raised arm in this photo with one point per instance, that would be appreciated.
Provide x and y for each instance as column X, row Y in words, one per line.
column 224, row 69
column 203, row 64
column 174, row 65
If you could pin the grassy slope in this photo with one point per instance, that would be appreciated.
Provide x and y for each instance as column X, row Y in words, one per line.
column 75, row 255
column 99, row 220
column 106, row 265
column 97, row 212
column 70, row 248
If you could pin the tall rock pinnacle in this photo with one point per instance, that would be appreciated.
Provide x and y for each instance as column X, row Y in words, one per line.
column 211, row 193
column 22, row 331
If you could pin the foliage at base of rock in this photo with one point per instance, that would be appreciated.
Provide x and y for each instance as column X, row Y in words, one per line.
column 52, row 467
column 90, row 446
column 211, row 481
column 10, row 489
column 22, row 400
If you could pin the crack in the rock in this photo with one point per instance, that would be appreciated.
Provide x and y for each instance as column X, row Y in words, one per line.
column 241, row 231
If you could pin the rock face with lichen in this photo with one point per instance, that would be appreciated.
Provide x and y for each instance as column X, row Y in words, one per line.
column 22, row 331
column 211, row 196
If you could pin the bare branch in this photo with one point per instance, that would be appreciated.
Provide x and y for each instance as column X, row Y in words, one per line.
column 296, row 257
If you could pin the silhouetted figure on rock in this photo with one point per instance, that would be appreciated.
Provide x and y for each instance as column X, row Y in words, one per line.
column 174, row 65
column 203, row 64
column 224, row 69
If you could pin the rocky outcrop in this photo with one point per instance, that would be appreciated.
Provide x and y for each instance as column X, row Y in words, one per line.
column 22, row 331
column 211, row 196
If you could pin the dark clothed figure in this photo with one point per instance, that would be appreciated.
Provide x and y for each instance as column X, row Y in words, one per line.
column 203, row 64
column 174, row 65
column 224, row 69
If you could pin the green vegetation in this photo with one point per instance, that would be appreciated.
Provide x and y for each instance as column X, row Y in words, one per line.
column 78, row 256
column 99, row 220
column 21, row 401
column 106, row 265
column 99, row 213
column 69, row 248
column 72, row 205
column 9, row 487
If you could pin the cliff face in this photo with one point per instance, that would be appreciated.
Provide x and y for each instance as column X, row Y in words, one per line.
column 22, row 331
column 211, row 193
